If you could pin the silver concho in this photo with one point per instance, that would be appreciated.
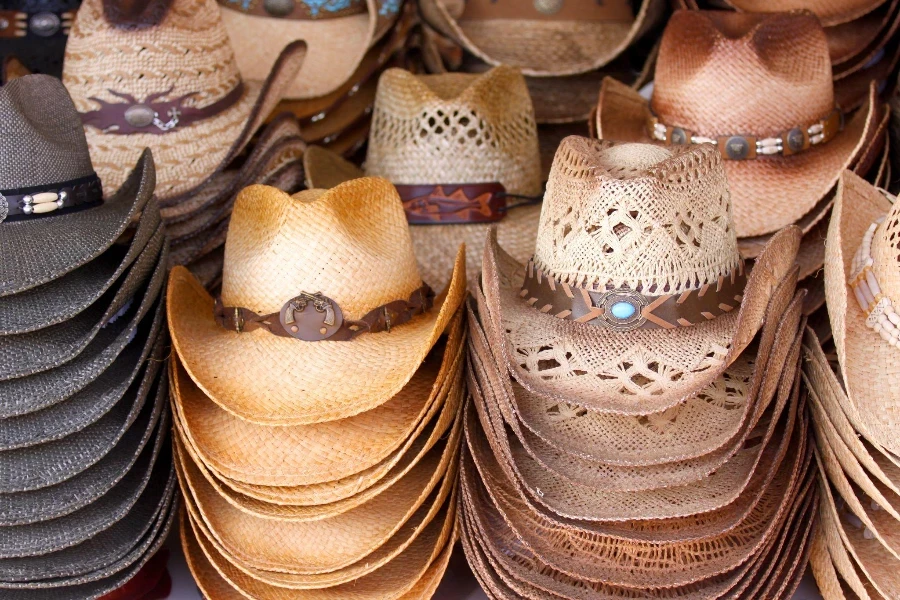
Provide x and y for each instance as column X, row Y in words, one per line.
column 44, row 24
column 622, row 309
column 796, row 139
column 4, row 208
column 311, row 317
column 279, row 8
column 737, row 147
column 548, row 7
column 140, row 115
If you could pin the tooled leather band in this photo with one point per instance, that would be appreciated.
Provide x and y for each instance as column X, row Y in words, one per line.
column 38, row 24
column 453, row 203
column 625, row 310
column 50, row 200
column 301, row 10
column 314, row 317
column 748, row 147
column 550, row 10
column 154, row 115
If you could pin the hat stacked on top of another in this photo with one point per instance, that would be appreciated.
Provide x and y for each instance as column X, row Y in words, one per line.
column 854, row 399
column 86, row 482
column 316, row 402
column 463, row 153
column 33, row 34
column 759, row 87
column 635, row 426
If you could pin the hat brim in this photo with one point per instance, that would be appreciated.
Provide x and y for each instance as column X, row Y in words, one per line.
column 40, row 250
column 767, row 194
column 383, row 363
column 869, row 364
column 881, row 26
column 639, row 372
column 841, row 12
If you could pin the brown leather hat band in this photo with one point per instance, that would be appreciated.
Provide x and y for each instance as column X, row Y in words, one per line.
column 747, row 147
column 625, row 310
column 608, row 11
column 300, row 10
column 50, row 200
column 453, row 203
column 40, row 24
column 154, row 115
column 314, row 317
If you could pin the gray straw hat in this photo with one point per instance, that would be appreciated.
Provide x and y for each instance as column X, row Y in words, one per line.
column 47, row 174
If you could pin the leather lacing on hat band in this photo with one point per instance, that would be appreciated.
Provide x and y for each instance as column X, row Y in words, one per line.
column 314, row 317
column 879, row 309
column 747, row 147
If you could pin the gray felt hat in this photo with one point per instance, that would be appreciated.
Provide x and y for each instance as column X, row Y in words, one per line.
column 52, row 216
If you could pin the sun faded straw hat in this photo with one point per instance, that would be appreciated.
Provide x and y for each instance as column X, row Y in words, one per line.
column 636, row 297
column 162, row 74
column 543, row 37
column 462, row 151
column 760, row 88
column 326, row 278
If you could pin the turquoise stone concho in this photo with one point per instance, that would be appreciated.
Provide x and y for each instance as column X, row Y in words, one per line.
column 622, row 309
column 327, row 5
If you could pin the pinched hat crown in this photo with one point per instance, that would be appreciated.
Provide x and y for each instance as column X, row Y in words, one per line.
column 651, row 219
column 454, row 129
column 722, row 73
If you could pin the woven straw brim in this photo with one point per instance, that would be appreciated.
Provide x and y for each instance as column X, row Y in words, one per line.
column 308, row 454
column 324, row 390
column 38, row 251
column 869, row 364
column 767, row 194
column 686, row 360
column 848, row 40
column 63, row 298
column 883, row 26
column 544, row 48
column 852, row 91
column 186, row 157
column 830, row 12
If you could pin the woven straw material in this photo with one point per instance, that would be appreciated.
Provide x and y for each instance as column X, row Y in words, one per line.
column 882, row 27
column 102, row 58
column 542, row 47
column 642, row 371
column 830, row 12
column 352, row 244
column 868, row 363
column 711, row 62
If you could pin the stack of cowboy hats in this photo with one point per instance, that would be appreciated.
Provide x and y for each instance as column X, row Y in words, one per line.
column 635, row 427
column 33, row 35
column 759, row 87
column 163, row 75
column 349, row 44
column 853, row 397
column 462, row 150
column 863, row 38
column 316, row 402
column 87, row 489
column 564, row 48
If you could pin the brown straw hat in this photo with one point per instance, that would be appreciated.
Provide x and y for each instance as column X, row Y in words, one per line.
column 163, row 75
column 545, row 37
column 829, row 12
column 784, row 150
column 630, row 227
column 327, row 264
column 861, row 266
column 476, row 144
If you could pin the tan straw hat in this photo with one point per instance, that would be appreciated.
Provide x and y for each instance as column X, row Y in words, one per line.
column 636, row 298
column 163, row 75
column 324, row 279
column 543, row 37
column 457, row 146
column 760, row 88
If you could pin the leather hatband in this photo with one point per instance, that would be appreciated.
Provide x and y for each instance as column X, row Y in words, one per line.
column 50, row 200
column 449, row 204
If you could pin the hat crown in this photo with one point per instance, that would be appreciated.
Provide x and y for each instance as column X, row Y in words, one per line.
column 455, row 128
column 41, row 137
column 351, row 243
column 638, row 216
column 886, row 254
column 163, row 48
column 721, row 73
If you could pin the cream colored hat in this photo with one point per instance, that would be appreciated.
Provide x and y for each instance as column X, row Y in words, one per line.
column 164, row 76
column 300, row 273
column 456, row 146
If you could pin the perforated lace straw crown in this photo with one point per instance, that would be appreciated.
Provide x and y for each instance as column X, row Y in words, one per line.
column 760, row 87
column 348, row 247
column 864, row 239
column 638, row 221
column 161, row 74
column 443, row 132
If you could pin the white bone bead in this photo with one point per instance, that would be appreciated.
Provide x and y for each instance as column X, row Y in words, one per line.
column 45, row 208
column 814, row 129
column 860, row 299
column 817, row 138
column 873, row 283
column 44, row 198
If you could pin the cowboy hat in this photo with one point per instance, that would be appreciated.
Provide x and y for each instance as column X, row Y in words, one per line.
column 829, row 12
column 182, row 94
column 33, row 34
column 459, row 168
column 777, row 170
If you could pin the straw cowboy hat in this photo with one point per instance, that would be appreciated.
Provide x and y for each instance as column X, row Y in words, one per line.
column 784, row 150
column 163, row 75
column 544, row 37
column 338, row 267
column 462, row 151
column 337, row 34
column 829, row 12
column 625, row 228
column 860, row 283
column 33, row 34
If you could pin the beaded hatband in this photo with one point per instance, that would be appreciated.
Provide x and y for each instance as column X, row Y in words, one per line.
column 879, row 309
